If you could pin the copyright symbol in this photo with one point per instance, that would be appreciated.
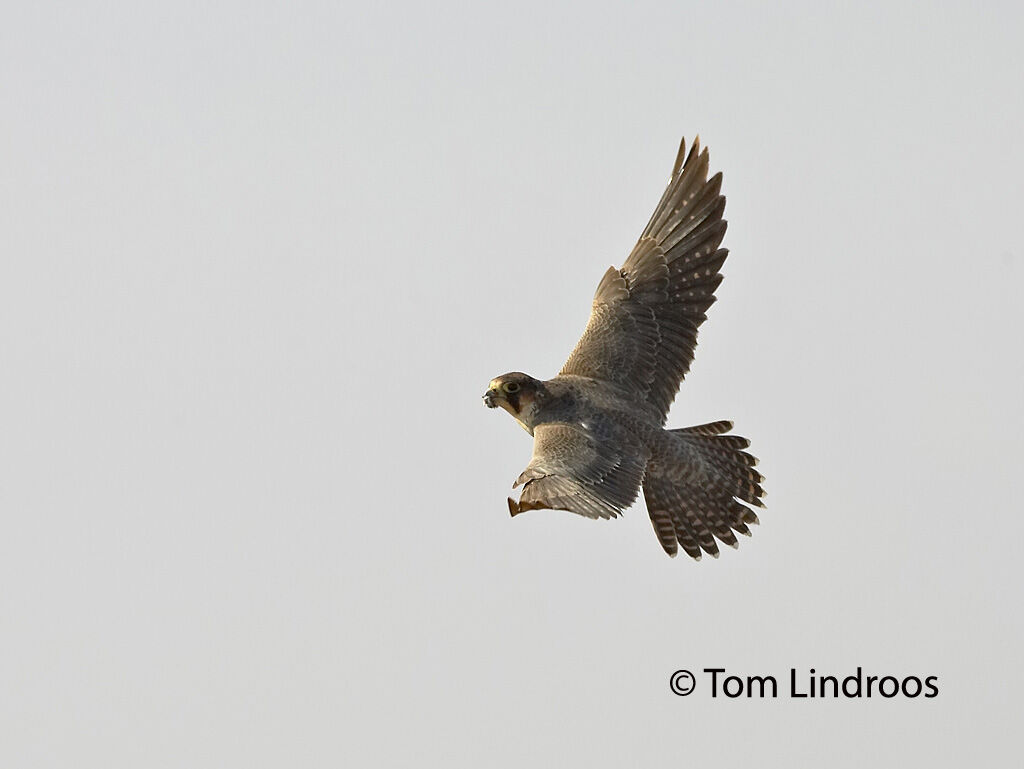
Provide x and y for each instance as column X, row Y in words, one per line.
column 681, row 682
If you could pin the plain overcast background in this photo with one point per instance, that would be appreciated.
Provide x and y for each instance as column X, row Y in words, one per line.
column 259, row 263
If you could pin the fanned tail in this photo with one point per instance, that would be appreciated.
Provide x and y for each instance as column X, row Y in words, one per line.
column 698, row 488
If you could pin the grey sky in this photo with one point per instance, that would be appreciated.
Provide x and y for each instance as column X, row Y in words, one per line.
column 259, row 263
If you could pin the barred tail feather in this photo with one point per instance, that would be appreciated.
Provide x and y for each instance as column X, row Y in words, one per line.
column 699, row 489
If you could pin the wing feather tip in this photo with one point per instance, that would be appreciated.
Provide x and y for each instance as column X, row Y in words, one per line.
column 680, row 157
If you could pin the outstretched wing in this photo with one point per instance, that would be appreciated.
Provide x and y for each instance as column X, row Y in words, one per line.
column 582, row 469
column 643, row 324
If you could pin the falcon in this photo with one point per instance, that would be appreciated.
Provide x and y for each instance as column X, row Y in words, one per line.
column 598, row 427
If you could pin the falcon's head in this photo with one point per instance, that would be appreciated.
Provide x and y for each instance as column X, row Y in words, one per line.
column 519, row 394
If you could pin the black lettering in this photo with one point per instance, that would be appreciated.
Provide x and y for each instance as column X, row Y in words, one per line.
column 917, row 682
column 714, row 679
column 835, row 685
column 930, row 682
column 871, row 679
column 856, row 680
column 739, row 686
column 895, row 685
column 792, row 684
column 762, row 681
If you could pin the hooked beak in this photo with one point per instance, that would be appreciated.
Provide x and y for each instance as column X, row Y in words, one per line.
column 491, row 399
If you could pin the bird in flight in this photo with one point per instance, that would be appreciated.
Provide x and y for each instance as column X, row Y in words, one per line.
column 598, row 427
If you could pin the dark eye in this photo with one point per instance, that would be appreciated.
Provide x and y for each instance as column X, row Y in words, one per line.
column 510, row 387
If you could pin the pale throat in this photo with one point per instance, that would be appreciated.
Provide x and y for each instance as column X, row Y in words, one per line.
column 525, row 415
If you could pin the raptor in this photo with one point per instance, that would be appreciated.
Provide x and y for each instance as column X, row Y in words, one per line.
column 598, row 427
